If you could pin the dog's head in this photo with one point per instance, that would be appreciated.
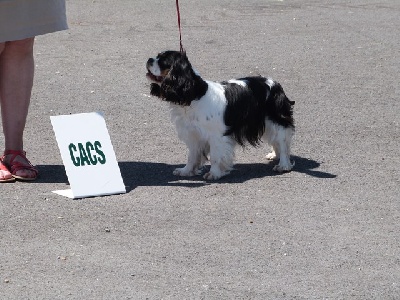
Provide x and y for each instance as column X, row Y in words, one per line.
column 173, row 78
column 158, row 67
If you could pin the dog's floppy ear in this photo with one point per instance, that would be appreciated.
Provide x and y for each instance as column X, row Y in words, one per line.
column 181, row 84
column 177, row 81
column 155, row 90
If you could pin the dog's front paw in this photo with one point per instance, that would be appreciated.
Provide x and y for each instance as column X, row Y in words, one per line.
column 211, row 176
column 185, row 172
column 215, row 174
column 281, row 168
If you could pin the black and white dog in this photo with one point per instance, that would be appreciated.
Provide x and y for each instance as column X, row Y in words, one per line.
column 211, row 117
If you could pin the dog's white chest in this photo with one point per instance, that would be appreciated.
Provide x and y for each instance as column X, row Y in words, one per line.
column 209, row 110
column 205, row 115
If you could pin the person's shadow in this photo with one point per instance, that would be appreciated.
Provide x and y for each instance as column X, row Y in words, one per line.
column 136, row 173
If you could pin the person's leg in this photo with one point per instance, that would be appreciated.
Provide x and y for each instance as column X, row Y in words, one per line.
column 5, row 175
column 16, row 80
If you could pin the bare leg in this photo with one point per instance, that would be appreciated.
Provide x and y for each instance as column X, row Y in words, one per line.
column 5, row 175
column 16, row 80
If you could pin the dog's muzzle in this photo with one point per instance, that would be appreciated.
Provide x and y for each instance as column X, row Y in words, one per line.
column 149, row 63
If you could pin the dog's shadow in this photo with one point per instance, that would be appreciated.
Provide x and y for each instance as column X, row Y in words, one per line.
column 137, row 174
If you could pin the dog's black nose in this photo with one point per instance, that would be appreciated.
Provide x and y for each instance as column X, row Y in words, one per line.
column 150, row 62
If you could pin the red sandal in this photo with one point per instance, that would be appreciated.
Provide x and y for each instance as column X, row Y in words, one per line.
column 15, row 166
column 4, row 168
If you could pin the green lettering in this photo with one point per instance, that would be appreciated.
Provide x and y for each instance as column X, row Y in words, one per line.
column 75, row 160
column 83, row 154
column 89, row 149
column 102, row 158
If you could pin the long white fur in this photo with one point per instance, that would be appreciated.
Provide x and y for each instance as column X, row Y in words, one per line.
column 201, row 127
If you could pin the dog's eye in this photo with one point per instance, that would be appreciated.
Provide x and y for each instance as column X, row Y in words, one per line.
column 163, row 64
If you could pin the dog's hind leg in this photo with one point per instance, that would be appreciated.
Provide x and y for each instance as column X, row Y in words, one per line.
column 282, row 143
column 274, row 154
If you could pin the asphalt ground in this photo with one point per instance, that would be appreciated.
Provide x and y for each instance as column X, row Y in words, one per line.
column 327, row 230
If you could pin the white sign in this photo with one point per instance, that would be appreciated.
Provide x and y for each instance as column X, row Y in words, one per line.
column 88, row 156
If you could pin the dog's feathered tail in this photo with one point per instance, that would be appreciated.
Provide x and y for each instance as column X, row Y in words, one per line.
column 279, row 108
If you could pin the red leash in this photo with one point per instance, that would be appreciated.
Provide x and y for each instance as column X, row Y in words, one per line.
column 179, row 26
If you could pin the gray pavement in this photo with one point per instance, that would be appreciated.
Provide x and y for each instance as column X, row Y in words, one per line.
column 327, row 230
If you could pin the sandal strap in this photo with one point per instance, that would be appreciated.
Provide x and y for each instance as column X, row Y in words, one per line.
column 16, row 166
column 15, row 152
column 2, row 166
